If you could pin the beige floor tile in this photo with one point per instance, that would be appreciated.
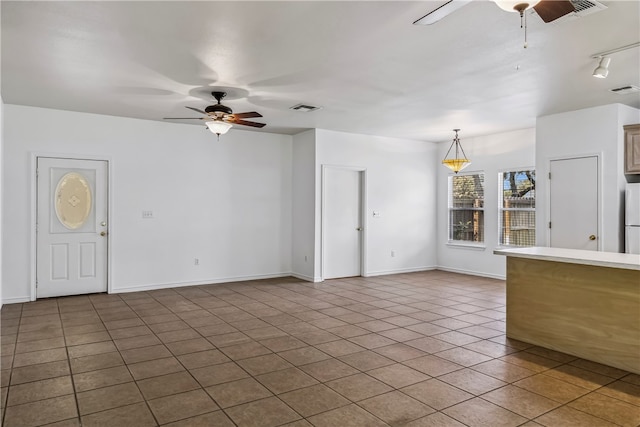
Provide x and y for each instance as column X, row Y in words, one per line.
column 346, row 416
column 37, row 357
column 313, row 400
column 569, row 417
column 463, row 356
column 400, row 352
column 371, row 341
column 552, row 388
column 137, row 415
column 472, row 381
column 366, row 360
column 359, row 387
column 599, row 369
column 189, row 346
column 143, row 354
column 437, row 419
column 348, row 331
column 433, row 365
column 245, row 350
column 480, row 413
column 29, row 346
column 108, row 397
column 503, row 371
column 429, row 345
column 39, row 390
column 286, row 380
column 624, row 391
column 212, row 419
column 166, row 385
column 137, row 342
column 283, row 343
column 303, row 355
column 169, row 326
column 264, row 364
column 340, row 347
column 551, row 354
column 203, row 358
column 41, row 412
column 238, row 392
column 91, row 349
column 101, row 378
column 95, row 362
column 522, row 402
column 490, row 348
column 262, row 413
column 154, row 368
column 181, row 406
column 397, row 375
column 580, row 377
column 632, row 378
column 42, row 371
column 327, row 370
column 437, row 394
column 396, row 408
column 87, row 338
column 530, row 361
column 136, row 331
column 608, row 408
column 428, row 329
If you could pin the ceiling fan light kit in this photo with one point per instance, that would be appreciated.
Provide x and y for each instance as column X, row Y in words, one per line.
column 460, row 160
column 515, row 6
column 218, row 127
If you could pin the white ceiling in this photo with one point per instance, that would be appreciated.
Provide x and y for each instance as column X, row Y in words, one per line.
column 371, row 70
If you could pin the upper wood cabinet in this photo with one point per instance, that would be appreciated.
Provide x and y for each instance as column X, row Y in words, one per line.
column 632, row 149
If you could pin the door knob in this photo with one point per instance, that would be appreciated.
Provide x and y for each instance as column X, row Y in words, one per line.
column 103, row 233
column 592, row 237
column 359, row 228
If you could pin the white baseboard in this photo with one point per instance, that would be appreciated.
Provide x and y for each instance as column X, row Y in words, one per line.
column 399, row 271
column 472, row 273
column 16, row 300
column 307, row 278
column 156, row 286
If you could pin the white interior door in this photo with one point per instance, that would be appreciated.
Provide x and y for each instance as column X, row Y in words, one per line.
column 342, row 222
column 573, row 190
column 71, row 227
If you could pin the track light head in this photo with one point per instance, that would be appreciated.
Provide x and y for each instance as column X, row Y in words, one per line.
column 602, row 70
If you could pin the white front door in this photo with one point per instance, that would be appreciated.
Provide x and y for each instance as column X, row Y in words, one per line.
column 71, row 227
column 573, row 190
column 342, row 222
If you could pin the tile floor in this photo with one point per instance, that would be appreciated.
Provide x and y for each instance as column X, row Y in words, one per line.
column 420, row 349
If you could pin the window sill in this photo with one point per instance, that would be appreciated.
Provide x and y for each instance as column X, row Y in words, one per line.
column 472, row 246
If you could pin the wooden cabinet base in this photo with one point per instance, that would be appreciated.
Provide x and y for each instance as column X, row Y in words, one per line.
column 587, row 311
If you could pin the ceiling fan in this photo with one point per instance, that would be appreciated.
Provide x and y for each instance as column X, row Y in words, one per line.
column 220, row 118
column 548, row 10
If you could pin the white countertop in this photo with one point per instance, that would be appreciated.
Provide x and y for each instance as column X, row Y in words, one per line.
column 575, row 256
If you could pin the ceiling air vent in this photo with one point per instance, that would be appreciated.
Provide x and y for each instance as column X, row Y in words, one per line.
column 625, row 90
column 583, row 8
column 305, row 108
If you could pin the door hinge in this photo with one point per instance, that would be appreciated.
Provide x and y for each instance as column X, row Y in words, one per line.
column 549, row 224
column 549, row 175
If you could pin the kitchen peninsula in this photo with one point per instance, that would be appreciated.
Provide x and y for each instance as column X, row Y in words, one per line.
column 583, row 303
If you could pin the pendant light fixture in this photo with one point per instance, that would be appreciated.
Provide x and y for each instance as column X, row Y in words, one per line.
column 460, row 161
column 219, row 127
column 518, row 6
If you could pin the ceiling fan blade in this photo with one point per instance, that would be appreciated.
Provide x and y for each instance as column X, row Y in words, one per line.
column 440, row 12
column 196, row 109
column 247, row 123
column 550, row 10
column 182, row 118
column 246, row 115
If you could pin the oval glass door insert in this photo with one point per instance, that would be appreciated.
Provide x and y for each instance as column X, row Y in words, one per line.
column 73, row 200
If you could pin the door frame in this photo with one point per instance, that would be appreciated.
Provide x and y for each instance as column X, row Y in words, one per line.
column 363, row 216
column 599, row 222
column 34, row 212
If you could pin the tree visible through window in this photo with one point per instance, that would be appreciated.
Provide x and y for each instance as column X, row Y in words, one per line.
column 518, row 208
column 466, row 208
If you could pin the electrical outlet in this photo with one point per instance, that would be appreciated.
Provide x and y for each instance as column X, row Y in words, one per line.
column 196, row 261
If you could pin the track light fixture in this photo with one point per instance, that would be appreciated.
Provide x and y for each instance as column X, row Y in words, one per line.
column 602, row 70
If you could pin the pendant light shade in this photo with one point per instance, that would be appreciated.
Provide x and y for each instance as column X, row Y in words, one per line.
column 516, row 6
column 460, row 161
column 219, row 127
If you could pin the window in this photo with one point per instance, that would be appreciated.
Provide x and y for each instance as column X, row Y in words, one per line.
column 517, row 214
column 466, row 208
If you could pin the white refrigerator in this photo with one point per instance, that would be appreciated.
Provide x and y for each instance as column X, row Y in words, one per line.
column 632, row 219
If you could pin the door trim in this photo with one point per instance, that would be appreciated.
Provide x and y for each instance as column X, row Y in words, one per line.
column 34, row 212
column 363, row 214
column 599, row 222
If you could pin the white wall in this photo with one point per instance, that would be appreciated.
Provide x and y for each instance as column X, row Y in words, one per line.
column 1, row 189
column 401, row 185
column 595, row 130
column 304, row 209
column 490, row 154
column 227, row 203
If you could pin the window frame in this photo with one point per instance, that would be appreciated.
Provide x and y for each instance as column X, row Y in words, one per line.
column 481, row 245
column 502, row 209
